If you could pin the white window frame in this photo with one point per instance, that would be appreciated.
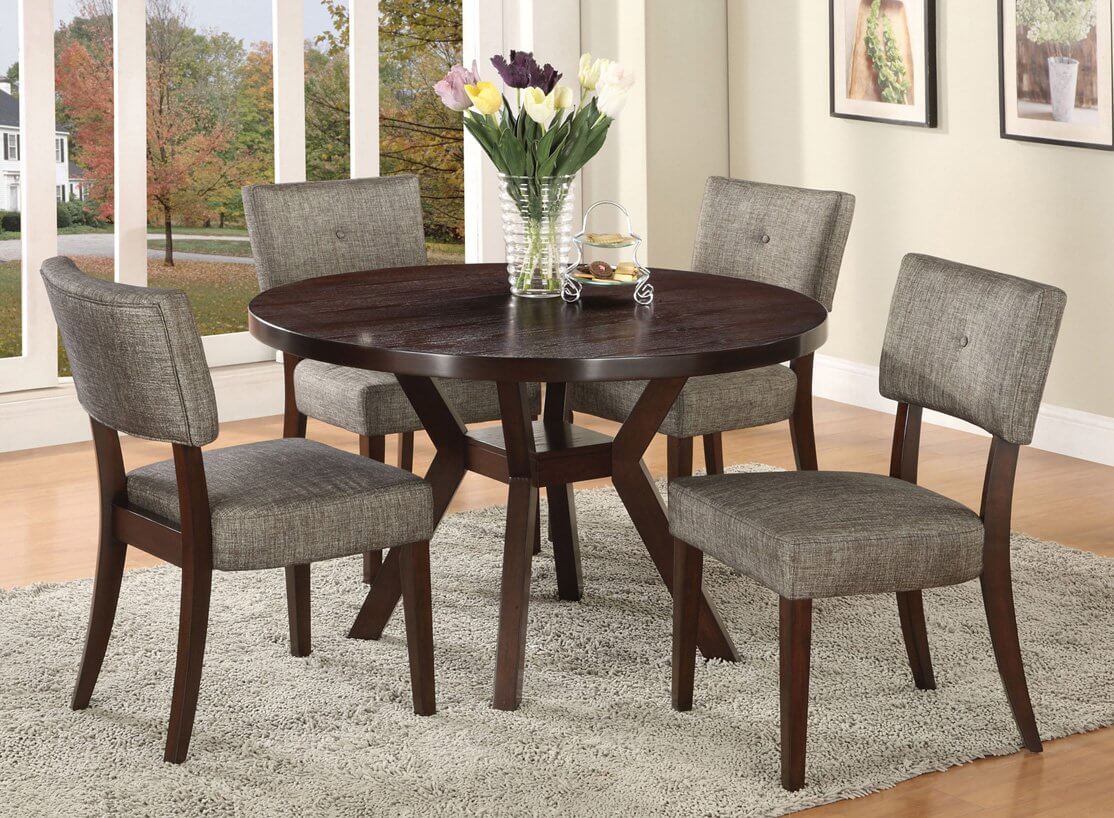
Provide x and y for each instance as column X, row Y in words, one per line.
column 37, row 366
column 11, row 147
column 60, row 150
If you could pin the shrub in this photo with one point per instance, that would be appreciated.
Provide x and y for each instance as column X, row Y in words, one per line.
column 64, row 218
column 10, row 222
column 76, row 211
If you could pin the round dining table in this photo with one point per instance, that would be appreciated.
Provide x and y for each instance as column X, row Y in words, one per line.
column 461, row 321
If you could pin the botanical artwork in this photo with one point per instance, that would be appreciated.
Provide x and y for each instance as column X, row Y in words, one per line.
column 883, row 60
column 1056, row 71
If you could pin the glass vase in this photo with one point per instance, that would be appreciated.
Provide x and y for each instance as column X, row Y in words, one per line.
column 537, row 225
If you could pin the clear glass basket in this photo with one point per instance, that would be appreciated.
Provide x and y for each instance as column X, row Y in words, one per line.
column 537, row 225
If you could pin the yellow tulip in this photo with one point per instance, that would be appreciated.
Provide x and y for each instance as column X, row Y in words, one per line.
column 485, row 97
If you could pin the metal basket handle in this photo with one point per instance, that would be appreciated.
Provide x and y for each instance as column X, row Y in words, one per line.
column 616, row 205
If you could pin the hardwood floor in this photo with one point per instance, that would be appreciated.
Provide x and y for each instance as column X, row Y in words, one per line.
column 48, row 503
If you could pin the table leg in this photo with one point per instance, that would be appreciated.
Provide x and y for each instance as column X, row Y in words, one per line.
column 444, row 475
column 562, row 508
column 640, row 495
column 518, row 546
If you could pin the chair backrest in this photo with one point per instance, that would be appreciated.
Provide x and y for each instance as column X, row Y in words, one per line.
column 788, row 236
column 309, row 229
column 971, row 343
column 136, row 356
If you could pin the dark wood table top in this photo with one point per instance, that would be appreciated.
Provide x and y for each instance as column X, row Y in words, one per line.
column 461, row 321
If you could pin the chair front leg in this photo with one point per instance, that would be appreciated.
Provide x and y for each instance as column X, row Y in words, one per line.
column 375, row 447
column 417, row 607
column 197, row 583
column 298, row 609
column 293, row 421
column 713, row 453
column 688, row 569
column 800, row 423
column 795, row 638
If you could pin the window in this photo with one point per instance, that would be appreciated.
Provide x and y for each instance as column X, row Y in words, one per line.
column 11, row 147
column 60, row 150
column 328, row 149
column 60, row 192
column 418, row 44
column 210, row 131
column 11, row 255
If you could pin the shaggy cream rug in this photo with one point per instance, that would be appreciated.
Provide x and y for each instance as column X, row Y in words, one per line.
column 333, row 734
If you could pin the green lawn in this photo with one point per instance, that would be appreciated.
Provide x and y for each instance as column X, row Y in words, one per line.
column 219, row 292
column 11, row 323
column 64, row 231
column 208, row 247
column 200, row 231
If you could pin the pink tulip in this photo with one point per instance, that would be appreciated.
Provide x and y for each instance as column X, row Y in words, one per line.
column 451, row 88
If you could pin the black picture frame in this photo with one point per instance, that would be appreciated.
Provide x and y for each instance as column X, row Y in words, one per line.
column 1039, row 140
column 931, row 119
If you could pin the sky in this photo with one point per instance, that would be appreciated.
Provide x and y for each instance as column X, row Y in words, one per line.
column 249, row 20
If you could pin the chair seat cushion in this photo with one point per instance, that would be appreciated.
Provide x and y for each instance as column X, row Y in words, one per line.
column 707, row 404
column 807, row 535
column 372, row 403
column 293, row 501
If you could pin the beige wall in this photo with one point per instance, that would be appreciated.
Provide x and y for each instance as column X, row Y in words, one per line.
column 673, row 133
column 959, row 191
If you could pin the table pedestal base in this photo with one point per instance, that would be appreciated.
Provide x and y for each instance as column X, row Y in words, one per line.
column 528, row 455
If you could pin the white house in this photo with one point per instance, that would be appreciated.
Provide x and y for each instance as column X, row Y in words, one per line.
column 68, row 177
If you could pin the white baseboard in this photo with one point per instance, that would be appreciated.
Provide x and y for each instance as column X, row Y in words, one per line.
column 1063, row 431
column 49, row 417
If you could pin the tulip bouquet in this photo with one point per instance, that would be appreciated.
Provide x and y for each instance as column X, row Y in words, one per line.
column 537, row 145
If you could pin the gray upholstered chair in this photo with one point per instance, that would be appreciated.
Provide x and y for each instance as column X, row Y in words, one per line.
column 139, row 368
column 967, row 342
column 786, row 236
column 310, row 229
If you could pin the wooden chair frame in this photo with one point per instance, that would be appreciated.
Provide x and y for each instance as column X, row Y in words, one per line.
column 190, row 547
column 679, row 451
column 795, row 617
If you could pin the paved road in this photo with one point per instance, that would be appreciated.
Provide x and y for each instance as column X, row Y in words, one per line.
column 100, row 244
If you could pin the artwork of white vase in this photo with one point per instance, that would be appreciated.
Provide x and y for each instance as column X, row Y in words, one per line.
column 1063, row 77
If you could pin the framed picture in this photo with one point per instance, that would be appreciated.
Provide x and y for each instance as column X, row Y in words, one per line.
column 883, row 60
column 1056, row 83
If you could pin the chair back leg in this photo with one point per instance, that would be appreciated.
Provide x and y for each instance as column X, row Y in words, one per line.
column 375, row 447
column 192, row 628
column 417, row 606
column 713, row 453
column 910, row 609
column 795, row 637
column 997, row 593
column 298, row 609
column 106, row 593
column 801, row 428
column 678, row 457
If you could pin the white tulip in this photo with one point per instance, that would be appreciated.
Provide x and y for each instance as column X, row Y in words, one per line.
column 539, row 106
column 611, row 98
column 616, row 74
column 562, row 97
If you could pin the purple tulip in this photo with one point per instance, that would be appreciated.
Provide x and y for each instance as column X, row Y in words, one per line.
column 523, row 71
column 451, row 87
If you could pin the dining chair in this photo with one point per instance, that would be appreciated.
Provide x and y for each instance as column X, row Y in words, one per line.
column 967, row 342
column 139, row 368
column 791, row 237
column 310, row 229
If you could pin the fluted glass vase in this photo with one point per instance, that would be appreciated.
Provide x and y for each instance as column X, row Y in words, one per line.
column 537, row 224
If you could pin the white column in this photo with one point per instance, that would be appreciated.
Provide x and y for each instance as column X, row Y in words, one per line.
column 129, row 54
column 39, row 364
column 363, row 86
column 289, row 90
column 483, row 231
